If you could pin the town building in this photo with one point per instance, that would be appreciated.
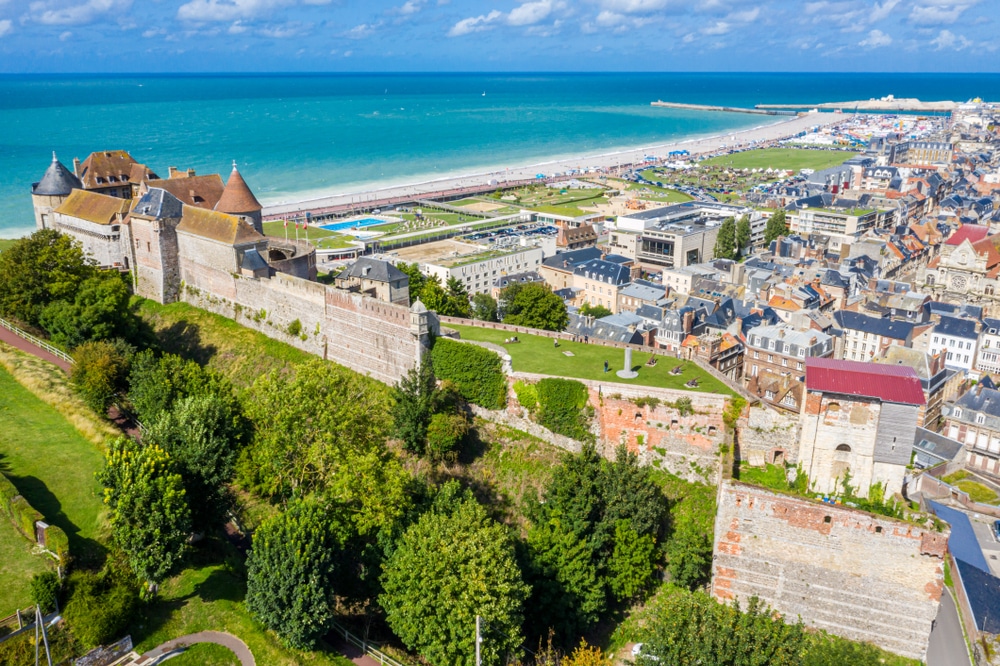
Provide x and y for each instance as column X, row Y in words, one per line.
column 479, row 270
column 722, row 351
column 974, row 420
column 678, row 235
column 858, row 424
column 958, row 339
column 938, row 382
column 783, row 350
column 640, row 292
column 114, row 173
column 988, row 356
column 96, row 221
column 376, row 278
column 598, row 282
column 863, row 338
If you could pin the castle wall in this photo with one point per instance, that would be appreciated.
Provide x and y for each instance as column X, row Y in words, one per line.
column 766, row 435
column 154, row 250
column 830, row 421
column 100, row 242
column 863, row 577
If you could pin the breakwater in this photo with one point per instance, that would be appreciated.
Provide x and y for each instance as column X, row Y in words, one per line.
column 729, row 109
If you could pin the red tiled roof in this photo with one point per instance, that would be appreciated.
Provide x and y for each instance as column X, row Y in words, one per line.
column 889, row 383
column 972, row 232
column 237, row 197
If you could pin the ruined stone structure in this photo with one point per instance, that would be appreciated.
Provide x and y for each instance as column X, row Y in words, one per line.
column 848, row 572
column 766, row 435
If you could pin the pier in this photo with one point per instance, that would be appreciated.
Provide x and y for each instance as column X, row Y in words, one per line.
column 729, row 109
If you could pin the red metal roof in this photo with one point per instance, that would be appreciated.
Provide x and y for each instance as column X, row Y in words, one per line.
column 889, row 383
column 972, row 232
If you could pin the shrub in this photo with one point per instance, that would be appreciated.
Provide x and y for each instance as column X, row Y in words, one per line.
column 683, row 406
column 45, row 590
column 101, row 371
column 57, row 542
column 99, row 607
column 527, row 395
column 561, row 407
column 7, row 492
column 477, row 372
column 733, row 410
column 295, row 328
column 651, row 402
column 444, row 433
column 24, row 516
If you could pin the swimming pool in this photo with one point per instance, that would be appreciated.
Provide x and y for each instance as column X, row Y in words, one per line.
column 350, row 224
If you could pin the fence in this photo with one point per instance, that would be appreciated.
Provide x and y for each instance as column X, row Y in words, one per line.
column 365, row 646
column 58, row 353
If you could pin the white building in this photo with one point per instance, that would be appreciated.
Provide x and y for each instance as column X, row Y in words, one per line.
column 988, row 357
column 479, row 270
column 959, row 338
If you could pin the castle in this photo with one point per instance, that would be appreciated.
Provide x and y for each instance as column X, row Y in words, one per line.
column 197, row 239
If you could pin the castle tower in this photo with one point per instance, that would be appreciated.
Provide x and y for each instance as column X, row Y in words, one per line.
column 238, row 200
column 153, row 239
column 49, row 193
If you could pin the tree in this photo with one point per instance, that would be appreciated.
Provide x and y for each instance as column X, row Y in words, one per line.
column 595, row 311
column 294, row 571
column 725, row 242
column 632, row 562
column 457, row 300
column 203, row 435
column 629, row 493
column 156, row 383
column 689, row 555
column 533, row 304
column 100, row 371
column 149, row 517
column 453, row 564
column 100, row 606
column 416, row 278
column 444, row 433
column 743, row 234
column 776, row 226
column 46, row 266
column 45, row 591
column 414, row 405
column 484, row 307
column 99, row 310
column 433, row 295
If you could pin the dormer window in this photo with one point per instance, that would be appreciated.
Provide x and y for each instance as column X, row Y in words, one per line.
column 957, row 413
column 980, row 419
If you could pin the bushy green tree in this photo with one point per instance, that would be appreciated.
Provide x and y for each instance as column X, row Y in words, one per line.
column 99, row 310
column 203, row 435
column 46, row 266
column 100, row 371
column 149, row 515
column 776, row 226
column 743, row 234
column 725, row 242
column 100, row 606
column 534, row 305
column 444, row 433
column 414, row 405
column 484, row 307
column 416, row 278
column 457, row 300
column 157, row 382
column 294, row 571
column 632, row 562
column 433, row 295
column 595, row 311
column 453, row 564
column 45, row 591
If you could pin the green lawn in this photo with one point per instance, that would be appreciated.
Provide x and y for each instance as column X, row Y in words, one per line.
column 321, row 238
column 53, row 466
column 205, row 654
column 574, row 209
column 978, row 492
column 17, row 566
column 782, row 158
column 655, row 193
column 537, row 354
column 218, row 342
column 6, row 243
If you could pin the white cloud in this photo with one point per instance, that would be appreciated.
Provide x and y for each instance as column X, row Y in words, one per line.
column 946, row 39
column 745, row 16
column 65, row 36
column 284, row 30
column 634, row 6
column 533, row 12
column 152, row 32
column 475, row 24
column 875, row 39
column 717, row 28
column 50, row 12
column 230, row 10
column 237, row 28
column 362, row 31
column 938, row 12
column 5, row 27
column 410, row 7
column 881, row 11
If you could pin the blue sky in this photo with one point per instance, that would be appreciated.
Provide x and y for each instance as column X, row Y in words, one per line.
column 498, row 35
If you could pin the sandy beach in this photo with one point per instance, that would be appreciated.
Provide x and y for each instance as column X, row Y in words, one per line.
column 461, row 183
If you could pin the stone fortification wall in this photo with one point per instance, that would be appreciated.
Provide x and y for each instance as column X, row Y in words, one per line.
column 853, row 574
column 362, row 333
column 766, row 435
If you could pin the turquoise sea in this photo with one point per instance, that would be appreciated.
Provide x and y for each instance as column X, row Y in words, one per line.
column 301, row 135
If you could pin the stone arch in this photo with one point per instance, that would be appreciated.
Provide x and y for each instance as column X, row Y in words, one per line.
column 844, row 447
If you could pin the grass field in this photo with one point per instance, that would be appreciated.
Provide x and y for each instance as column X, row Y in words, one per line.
column 782, row 158
column 537, row 354
column 17, row 566
column 6, row 243
column 219, row 343
column 654, row 193
column 321, row 238
column 205, row 654
column 53, row 466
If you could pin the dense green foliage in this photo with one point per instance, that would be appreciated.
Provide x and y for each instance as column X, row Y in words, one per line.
column 157, row 382
column 416, row 278
column 457, row 299
column 414, row 405
column 527, row 395
column 150, row 519
column 484, row 307
column 203, row 435
column 444, row 433
column 45, row 591
column 532, row 304
column 100, row 606
column 99, row 310
column 743, row 234
column 563, row 408
column 293, row 572
column 776, row 227
column 57, row 542
column 595, row 311
column 101, row 371
column 476, row 372
column 594, row 538
column 725, row 242
column 453, row 564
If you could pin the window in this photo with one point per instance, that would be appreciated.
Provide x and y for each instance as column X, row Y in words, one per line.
column 966, row 358
column 957, row 413
column 770, row 344
column 935, row 339
column 844, row 447
column 788, row 400
column 756, row 354
column 980, row 419
column 784, row 362
column 769, row 395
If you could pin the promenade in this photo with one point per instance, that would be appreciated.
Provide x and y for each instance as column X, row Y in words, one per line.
column 469, row 184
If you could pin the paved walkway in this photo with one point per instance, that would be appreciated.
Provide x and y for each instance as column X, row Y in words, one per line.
column 947, row 644
column 218, row 637
column 25, row 346
column 353, row 652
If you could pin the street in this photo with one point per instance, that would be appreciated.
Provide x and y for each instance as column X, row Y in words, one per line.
column 947, row 645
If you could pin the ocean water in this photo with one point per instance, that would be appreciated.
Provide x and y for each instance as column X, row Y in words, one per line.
column 298, row 136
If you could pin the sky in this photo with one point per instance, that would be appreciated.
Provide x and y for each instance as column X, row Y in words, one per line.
column 498, row 35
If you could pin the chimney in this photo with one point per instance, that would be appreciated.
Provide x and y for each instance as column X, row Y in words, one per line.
column 687, row 322
column 171, row 172
column 76, row 167
column 190, row 173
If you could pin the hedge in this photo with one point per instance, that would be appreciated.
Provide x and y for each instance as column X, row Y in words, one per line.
column 526, row 394
column 563, row 408
column 477, row 372
column 24, row 516
column 57, row 542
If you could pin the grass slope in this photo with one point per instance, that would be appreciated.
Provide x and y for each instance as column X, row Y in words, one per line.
column 6, row 243
column 17, row 566
column 53, row 466
column 205, row 654
column 218, row 342
column 782, row 158
column 537, row 354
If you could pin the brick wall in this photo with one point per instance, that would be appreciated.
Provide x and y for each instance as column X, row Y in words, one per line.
column 765, row 432
column 863, row 577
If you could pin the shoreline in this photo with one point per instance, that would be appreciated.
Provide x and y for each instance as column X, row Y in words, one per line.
column 375, row 194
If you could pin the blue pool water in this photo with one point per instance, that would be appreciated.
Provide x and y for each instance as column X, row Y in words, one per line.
column 340, row 226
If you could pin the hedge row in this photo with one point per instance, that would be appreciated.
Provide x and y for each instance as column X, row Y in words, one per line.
column 563, row 408
column 477, row 372
column 24, row 517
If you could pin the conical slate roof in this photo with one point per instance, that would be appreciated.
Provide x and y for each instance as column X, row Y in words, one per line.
column 237, row 197
column 58, row 181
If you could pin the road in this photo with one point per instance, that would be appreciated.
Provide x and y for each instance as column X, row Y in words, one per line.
column 981, row 525
column 947, row 644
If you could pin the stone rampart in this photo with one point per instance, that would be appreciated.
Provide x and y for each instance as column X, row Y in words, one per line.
column 766, row 435
column 851, row 573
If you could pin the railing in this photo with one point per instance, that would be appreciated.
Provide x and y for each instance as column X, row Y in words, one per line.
column 366, row 647
column 58, row 353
